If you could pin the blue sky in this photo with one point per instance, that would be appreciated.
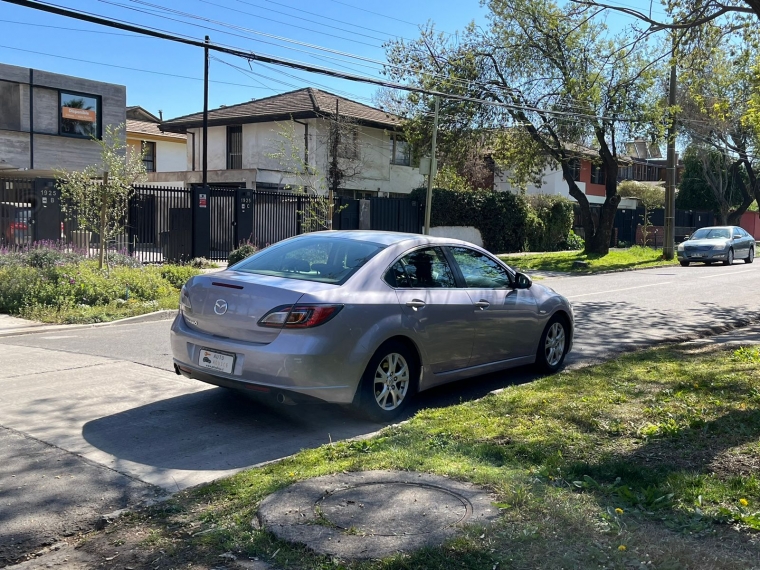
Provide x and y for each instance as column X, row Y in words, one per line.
column 174, row 85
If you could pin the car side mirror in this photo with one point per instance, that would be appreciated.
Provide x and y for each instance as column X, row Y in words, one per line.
column 522, row 281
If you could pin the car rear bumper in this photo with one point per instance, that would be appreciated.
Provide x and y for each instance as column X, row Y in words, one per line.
column 284, row 365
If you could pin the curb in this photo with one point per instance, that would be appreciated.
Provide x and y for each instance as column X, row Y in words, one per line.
column 162, row 315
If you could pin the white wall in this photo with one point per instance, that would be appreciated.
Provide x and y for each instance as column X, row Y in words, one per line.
column 553, row 183
column 171, row 156
column 261, row 140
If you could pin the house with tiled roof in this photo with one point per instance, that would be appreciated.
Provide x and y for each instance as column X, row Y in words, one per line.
column 163, row 151
column 245, row 144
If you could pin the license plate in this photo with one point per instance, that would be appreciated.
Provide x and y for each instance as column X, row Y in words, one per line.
column 219, row 361
column 696, row 255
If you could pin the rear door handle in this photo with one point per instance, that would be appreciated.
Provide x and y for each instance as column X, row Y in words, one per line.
column 415, row 304
column 482, row 305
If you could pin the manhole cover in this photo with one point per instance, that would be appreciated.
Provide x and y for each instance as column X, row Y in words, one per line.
column 394, row 508
column 373, row 514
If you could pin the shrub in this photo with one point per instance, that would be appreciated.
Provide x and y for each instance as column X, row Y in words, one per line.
column 554, row 215
column 178, row 275
column 22, row 288
column 245, row 250
column 15, row 284
column 202, row 263
column 500, row 216
column 574, row 241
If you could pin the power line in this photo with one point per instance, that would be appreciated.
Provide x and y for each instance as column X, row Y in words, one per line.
column 251, row 56
column 122, row 66
column 188, row 15
column 321, row 16
column 290, row 16
column 72, row 29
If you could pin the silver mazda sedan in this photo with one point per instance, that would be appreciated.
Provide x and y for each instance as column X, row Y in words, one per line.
column 365, row 318
column 719, row 243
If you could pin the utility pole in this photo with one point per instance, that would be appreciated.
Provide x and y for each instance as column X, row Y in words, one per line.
column 668, row 247
column 205, row 116
column 431, row 174
column 334, row 172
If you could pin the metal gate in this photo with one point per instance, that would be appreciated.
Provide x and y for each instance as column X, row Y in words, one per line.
column 223, row 218
column 30, row 211
column 396, row 215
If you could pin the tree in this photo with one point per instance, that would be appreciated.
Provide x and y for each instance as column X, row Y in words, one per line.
column 717, row 100
column 299, row 174
column 556, row 83
column 712, row 180
column 97, row 196
column 650, row 196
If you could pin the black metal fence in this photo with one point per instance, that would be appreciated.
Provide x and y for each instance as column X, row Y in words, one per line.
column 177, row 224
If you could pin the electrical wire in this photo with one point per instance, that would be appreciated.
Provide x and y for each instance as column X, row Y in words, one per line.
column 322, row 17
column 122, row 66
column 251, row 56
column 290, row 16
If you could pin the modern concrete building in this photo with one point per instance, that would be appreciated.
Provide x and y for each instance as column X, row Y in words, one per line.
column 48, row 120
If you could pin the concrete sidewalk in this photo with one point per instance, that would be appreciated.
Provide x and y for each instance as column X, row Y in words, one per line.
column 14, row 326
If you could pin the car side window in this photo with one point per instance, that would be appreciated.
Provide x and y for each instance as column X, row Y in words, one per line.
column 737, row 233
column 422, row 268
column 479, row 270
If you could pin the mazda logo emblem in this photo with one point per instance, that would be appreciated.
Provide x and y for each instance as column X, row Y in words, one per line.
column 220, row 307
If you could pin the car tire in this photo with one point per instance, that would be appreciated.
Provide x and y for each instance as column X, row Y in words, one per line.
column 729, row 257
column 389, row 382
column 750, row 256
column 552, row 348
column 684, row 263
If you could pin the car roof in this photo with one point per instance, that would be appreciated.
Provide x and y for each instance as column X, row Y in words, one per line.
column 383, row 237
column 718, row 228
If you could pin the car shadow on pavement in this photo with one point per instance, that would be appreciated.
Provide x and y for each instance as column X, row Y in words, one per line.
column 219, row 429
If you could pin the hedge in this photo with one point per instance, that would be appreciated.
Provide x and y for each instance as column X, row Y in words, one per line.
column 507, row 222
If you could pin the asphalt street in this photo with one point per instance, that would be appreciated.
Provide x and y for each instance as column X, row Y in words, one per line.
column 99, row 412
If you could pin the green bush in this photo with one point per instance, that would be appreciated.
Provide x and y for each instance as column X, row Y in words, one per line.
column 574, row 241
column 15, row 283
column 65, row 286
column 507, row 222
column 245, row 250
column 550, row 222
column 501, row 217
column 178, row 275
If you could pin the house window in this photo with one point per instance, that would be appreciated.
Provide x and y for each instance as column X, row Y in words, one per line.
column 10, row 106
column 80, row 115
column 400, row 151
column 149, row 156
column 575, row 169
column 235, row 147
column 597, row 175
column 348, row 144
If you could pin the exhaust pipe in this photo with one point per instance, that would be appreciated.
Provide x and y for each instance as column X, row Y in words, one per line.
column 285, row 400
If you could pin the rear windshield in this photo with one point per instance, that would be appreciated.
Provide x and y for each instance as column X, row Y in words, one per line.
column 322, row 259
column 712, row 233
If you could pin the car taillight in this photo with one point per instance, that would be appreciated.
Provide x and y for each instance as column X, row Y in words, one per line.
column 184, row 300
column 299, row 316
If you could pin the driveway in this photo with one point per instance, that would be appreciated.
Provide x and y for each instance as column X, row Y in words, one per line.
column 107, row 402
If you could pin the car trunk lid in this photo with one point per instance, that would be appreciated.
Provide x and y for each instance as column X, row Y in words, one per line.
column 229, row 304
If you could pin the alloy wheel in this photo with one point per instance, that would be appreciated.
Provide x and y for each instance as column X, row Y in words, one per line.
column 391, row 381
column 554, row 347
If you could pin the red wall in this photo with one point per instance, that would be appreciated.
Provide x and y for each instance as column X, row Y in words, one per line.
column 751, row 223
column 591, row 189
